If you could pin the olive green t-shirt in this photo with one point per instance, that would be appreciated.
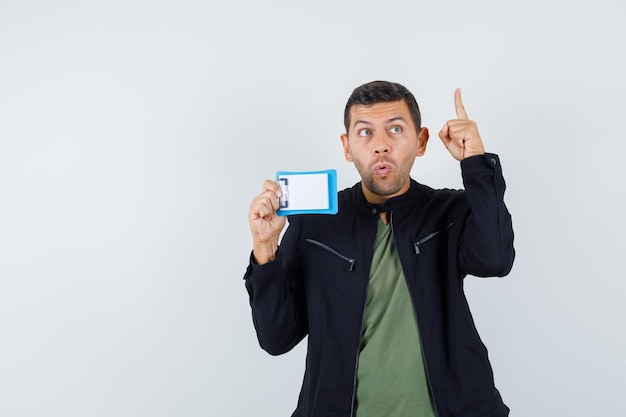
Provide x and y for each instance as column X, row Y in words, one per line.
column 391, row 380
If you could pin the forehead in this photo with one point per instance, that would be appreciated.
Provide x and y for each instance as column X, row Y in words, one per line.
column 379, row 112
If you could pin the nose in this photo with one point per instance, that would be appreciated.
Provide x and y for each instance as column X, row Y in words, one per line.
column 380, row 143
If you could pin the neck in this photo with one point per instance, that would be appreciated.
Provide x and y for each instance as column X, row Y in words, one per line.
column 372, row 198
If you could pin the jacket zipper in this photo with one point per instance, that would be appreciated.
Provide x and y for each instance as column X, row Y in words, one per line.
column 358, row 354
column 358, row 351
column 426, row 239
column 331, row 250
column 419, row 329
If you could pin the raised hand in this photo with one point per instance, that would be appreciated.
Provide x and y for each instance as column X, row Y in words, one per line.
column 460, row 136
column 265, row 224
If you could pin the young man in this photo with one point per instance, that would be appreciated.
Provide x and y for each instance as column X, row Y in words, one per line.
column 378, row 288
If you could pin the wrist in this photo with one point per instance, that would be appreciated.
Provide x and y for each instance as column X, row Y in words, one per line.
column 263, row 253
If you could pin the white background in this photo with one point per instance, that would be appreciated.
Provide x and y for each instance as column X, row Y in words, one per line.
column 133, row 135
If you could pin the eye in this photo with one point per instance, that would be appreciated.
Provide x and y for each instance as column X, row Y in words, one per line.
column 396, row 129
column 365, row 132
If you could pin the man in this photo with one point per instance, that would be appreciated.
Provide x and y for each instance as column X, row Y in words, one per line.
column 378, row 288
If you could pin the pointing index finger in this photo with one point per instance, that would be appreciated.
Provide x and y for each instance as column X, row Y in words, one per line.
column 458, row 105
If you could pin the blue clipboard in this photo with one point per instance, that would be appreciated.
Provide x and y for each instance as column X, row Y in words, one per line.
column 308, row 192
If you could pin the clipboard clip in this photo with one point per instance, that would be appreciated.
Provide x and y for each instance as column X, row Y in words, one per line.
column 283, row 183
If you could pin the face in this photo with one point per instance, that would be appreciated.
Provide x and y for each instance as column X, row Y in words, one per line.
column 383, row 142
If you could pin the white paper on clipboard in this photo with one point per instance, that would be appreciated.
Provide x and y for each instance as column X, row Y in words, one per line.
column 308, row 192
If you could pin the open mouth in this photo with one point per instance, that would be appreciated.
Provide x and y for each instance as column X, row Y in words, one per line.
column 382, row 168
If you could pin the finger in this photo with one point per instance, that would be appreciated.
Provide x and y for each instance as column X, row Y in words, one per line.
column 272, row 186
column 263, row 207
column 269, row 197
column 445, row 131
column 444, row 135
column 458, row 105
column 272, row 199
column 462, row 128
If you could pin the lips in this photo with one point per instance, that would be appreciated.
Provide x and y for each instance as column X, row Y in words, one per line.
column 382, row 168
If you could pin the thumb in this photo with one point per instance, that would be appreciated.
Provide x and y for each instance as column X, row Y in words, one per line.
column 444, row 132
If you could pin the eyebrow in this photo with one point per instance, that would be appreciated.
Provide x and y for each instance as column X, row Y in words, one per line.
column 368, row 123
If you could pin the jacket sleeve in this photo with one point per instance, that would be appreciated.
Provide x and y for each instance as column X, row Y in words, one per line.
column 486, row 246
column 277, row 298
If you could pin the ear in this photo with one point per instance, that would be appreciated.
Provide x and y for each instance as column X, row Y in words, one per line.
column 422, row 140
column 346, row 148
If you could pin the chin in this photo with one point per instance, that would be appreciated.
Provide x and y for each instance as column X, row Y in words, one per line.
column 386, row 190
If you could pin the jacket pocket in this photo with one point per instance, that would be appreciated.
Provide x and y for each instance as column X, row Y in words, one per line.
column 327, row 248
column 419, row 243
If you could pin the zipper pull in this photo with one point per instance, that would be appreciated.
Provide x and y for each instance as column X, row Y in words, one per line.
column 417, row 248
column 351, row 264
column 427, row 238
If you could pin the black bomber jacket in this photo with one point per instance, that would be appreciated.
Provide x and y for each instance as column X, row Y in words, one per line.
column 317, row 286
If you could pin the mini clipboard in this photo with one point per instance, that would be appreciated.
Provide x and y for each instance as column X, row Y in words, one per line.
column 312, row 192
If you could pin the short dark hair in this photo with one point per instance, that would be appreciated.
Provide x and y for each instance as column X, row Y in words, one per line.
column 382, row 92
